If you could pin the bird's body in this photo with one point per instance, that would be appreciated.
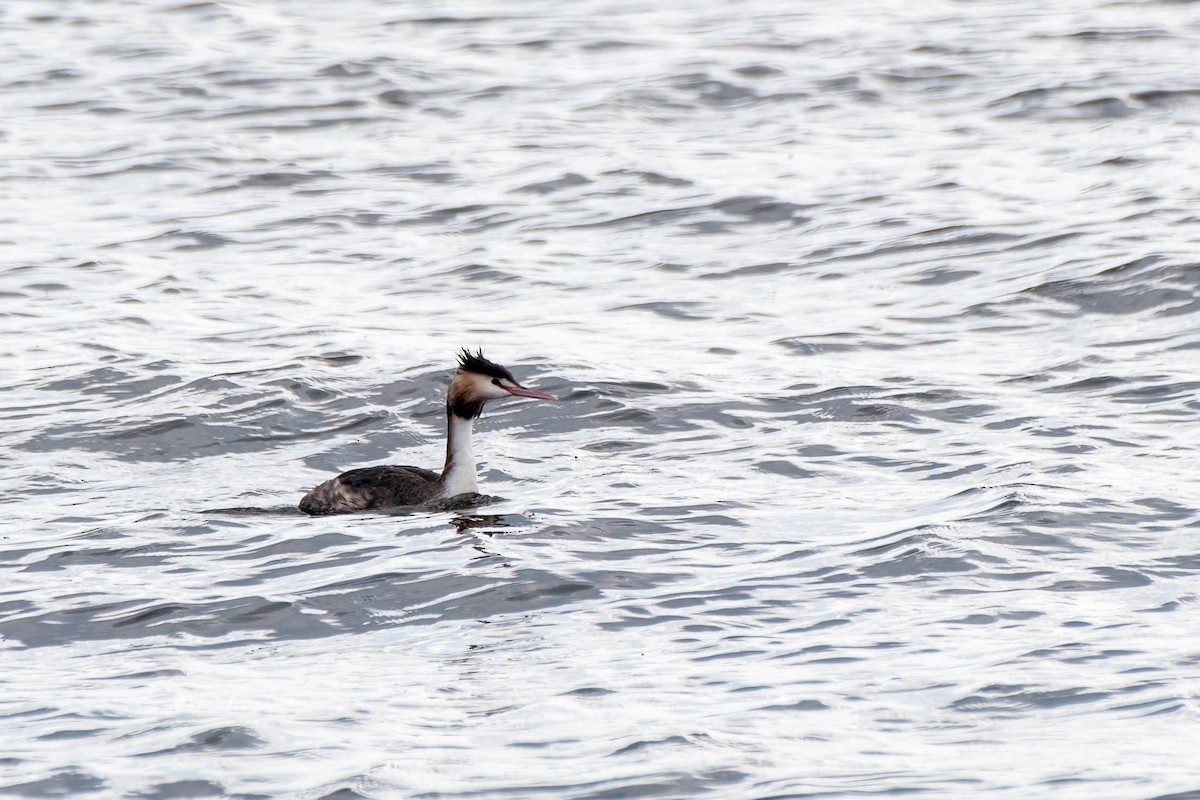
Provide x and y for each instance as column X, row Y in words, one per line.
column 477, row 381
column 372, row 487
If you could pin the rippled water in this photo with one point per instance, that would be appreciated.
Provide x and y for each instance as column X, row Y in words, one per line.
column 876, row 329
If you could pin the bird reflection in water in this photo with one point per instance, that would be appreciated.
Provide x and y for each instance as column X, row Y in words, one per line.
column 482, row 523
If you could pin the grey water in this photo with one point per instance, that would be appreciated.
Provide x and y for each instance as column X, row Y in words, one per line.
column 875, row 328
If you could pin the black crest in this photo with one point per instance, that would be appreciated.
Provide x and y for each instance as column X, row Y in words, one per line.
column 468, row 362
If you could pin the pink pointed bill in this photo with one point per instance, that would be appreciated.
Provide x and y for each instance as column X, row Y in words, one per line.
column 521, row 391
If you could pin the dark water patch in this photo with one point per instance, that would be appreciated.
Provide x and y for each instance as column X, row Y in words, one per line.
column 606, row 528
column 673, row 95
column 186, row 789
column 676, row 310
column 310, row 544
column 919, row 563
column 1176, row 566
column 941, row 276
column 588, row 691
column 650, row 178
column 281, row 179
column 98, row 107
column 84, row 733
column 129, row 620
column 632, row 622
column 1167, row 98
column 127, row 557
column 44, row 711
column 950, row 238
column 849, row 86
column 615, row 414
column 485, row 274
column 761, row 209
column 1160, row 392
column 848, row 410
column 1114, row 33
column 348, row 69
column 1110, row 578
column 994, row 618
column 1106, row 654
column 471, row 218
column 670, row 784
column 1090, row 299
column 390, row 599
column 788, row 469
column 654, row 217
column 115, row 383
column 624, row 389
column 211, row 432
column 619, row 581
column 344, row 794
column 224, row 739
column 401, row 98
column 604, row 45
column 716, row 512
column 926, row 76
column 66, row 783
column 147, row 675
column 695, row 599
column 566, row 181
column 1005, row 699
column 757, row 71
column 713, row 92
column 1064, row 102
column 1193, row 794
column 1036, row 242
column 151, row 166
column 753, row 270
column 492, row 93
column 799, row 705
column 920, row 537
column 1087, row 385
column 838, row 392
column 1074, row 526
column 286, row 108
column 1139, row 286
column 646, row 744
column 1167, row 510
column 49, row 76
column 740, row 210
column 436, row 173
column 839, row 342
column 613, row 446
column 191, row 241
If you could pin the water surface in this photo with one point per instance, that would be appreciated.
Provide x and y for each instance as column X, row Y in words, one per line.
column 874, row 472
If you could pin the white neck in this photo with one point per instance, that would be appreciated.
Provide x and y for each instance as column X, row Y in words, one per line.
column 458, row 476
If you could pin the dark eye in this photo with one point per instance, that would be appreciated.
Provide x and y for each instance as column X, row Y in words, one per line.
column 495, row 381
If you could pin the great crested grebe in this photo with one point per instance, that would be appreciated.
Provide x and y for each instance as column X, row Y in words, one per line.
column 477, row 381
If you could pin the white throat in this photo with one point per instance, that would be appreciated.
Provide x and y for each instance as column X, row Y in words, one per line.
column 458, row 476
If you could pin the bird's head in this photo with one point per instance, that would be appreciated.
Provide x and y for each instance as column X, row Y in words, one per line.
column 479, row 380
